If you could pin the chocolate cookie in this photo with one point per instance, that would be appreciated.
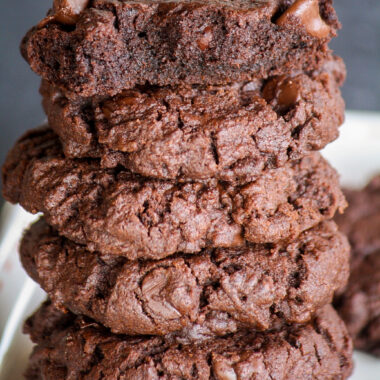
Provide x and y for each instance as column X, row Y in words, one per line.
column 107, row 46
column 232, row 132
column 70, row 347
column 214, row 293
column 359, row 306
column 361, row 220
column 116, row 212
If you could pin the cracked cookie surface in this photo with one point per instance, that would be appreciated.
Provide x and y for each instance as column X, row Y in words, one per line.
column 116, row 45
column 70, row 347
column 214, row 293
column 113, row 211
column 233, row 133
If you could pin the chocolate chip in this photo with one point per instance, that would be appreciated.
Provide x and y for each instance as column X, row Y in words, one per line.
column 307, row 12
column 68, row 11
column 288, row 93
column 282, row 93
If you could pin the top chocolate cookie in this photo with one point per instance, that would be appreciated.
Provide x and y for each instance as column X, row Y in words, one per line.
column 104, row 46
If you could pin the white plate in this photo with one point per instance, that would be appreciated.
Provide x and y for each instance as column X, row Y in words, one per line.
column 356, row 155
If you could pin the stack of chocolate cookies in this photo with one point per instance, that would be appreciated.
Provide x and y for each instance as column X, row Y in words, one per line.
column 187, row 225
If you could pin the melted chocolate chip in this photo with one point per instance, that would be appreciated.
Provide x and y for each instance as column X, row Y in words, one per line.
column 282, row 92
column 307, row 12
column 288, row 93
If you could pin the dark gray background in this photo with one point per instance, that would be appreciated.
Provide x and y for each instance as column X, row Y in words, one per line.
column 358, row 43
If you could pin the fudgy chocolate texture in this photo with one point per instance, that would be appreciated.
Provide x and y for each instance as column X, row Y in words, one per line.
column 116, row 212
column 214, row 293
column 359, row 306
column 77, row 348
column 361, row 220
column 116, row 45
column 232, row 132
